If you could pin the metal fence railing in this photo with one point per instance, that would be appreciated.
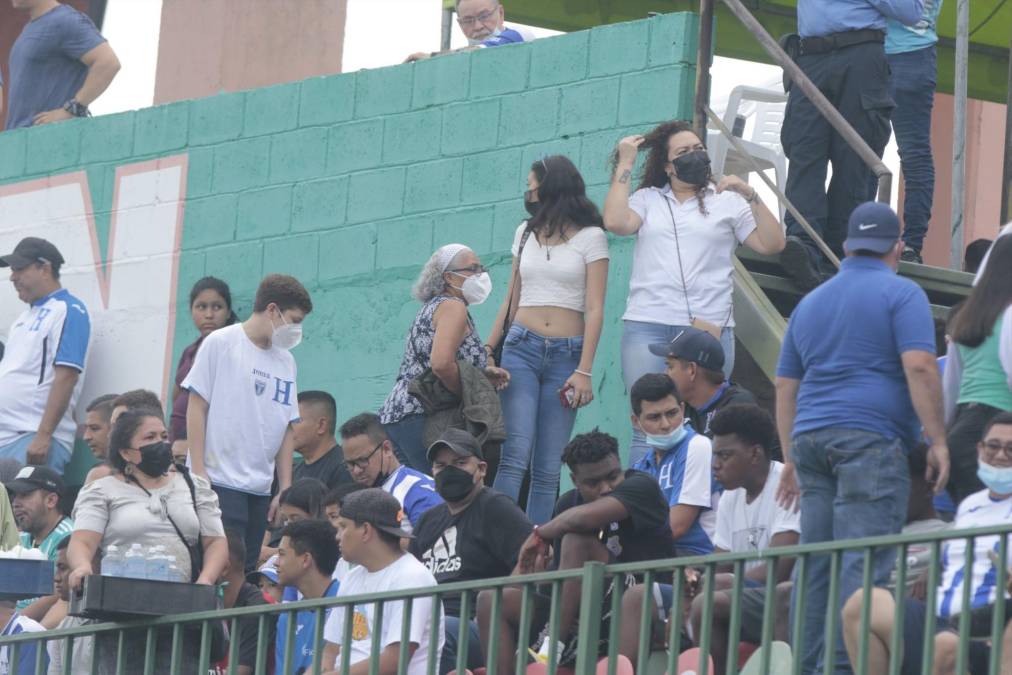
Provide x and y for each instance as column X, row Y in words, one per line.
column 190, row 636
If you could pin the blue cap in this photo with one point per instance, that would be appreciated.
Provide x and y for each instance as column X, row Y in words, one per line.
column 695, row 345
column 873, row 226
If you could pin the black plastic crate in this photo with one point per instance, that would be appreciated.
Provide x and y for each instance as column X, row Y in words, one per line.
column 22, row 579
column 119, row 598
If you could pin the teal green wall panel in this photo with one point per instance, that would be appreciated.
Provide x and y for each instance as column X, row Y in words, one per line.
column 349, row 182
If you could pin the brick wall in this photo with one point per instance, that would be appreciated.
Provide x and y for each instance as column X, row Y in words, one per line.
column 349, row 182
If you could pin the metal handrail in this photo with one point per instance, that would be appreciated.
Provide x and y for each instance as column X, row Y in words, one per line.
column 798, row 78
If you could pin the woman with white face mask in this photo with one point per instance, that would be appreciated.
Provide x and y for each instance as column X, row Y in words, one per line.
column 442, row 333
column 549, row 325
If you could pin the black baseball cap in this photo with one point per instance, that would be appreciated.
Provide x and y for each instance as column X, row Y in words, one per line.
column 695, row 345
column 378, row 508
column 873, row 226
column 458, row 440
column 32, row 478
column 32, row 250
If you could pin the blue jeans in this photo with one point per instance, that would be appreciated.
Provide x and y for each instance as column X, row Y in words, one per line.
column 912, row 86
column 59, row 454
column 246, row 513
column 637, row 361
column 448, row 658
column 853, row 484
column 537, row 426
column 406, row 436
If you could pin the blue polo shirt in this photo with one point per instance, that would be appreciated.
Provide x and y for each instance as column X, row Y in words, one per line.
column 819, row 17
column 844, row 342
column 685, row 475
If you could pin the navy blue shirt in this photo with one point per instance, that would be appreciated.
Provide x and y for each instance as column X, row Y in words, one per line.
column 45, row 63
column 844, row 342
column 823, row 17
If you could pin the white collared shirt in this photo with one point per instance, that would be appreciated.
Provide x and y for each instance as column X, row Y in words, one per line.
column 708, row 242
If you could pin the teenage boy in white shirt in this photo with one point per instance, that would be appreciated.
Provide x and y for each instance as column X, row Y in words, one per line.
column 370, row 531
column 243, row 401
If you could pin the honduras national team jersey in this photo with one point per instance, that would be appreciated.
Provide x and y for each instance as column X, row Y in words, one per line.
column 305, row 633
column 53, row 331
column 686, row 477
column 415, row 491
column 26, row 654
column 977, row 510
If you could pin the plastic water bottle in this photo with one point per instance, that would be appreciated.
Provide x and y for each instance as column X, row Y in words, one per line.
column 112, row 562
column 176, row 574
column 135, row 563
column 157, row 564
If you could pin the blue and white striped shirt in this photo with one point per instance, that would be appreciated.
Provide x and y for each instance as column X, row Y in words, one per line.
column 415, row 491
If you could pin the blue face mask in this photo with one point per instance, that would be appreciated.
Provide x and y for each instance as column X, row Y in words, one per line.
column 997, row 478
column 667, row 441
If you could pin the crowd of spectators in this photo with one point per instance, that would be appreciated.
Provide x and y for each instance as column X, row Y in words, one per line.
column 257, row 487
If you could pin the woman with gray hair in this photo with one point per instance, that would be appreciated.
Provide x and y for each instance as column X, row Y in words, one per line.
column 441, row 334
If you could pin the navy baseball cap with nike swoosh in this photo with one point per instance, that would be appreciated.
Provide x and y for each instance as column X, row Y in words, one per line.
column 873, row 226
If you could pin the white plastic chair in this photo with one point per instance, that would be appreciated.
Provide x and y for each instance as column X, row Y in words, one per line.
column 763, row 144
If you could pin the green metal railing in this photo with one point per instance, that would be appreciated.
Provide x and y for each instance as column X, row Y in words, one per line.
column 191, row 634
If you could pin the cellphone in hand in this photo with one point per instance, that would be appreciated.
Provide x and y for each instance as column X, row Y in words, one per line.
column 566, row 397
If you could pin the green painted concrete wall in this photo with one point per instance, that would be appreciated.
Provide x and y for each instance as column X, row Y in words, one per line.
column 349, row 182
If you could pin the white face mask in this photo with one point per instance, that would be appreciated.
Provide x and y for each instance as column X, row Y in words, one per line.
column 476, row 289
column 287, row 335
column 474, row 42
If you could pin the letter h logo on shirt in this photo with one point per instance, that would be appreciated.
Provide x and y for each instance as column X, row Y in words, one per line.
column 283, row 391
column 39, row 318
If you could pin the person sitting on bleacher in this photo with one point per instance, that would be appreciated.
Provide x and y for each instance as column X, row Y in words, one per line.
column 989, row 507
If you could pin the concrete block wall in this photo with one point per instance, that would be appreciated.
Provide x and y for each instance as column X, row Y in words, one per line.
column 349, row 182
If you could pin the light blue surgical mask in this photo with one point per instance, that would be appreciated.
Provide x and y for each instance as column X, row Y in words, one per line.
column 667, row 441
column 474, row 43
column 997, row 478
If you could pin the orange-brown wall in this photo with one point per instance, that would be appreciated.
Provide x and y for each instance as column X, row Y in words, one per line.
column 208, row 46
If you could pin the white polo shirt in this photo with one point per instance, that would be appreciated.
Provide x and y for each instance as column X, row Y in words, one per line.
column 53, row 331
column 252, row 399
column 708, row 242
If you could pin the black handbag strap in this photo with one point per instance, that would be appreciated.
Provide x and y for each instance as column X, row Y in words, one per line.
column 507, row 319
column 185, row 473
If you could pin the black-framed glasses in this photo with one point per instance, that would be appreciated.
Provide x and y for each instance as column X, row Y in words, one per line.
column 483, row 18
column 362, row 462
column 993, row 448
column 473, row 269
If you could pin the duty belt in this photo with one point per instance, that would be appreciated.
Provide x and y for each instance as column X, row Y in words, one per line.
column 828, row 43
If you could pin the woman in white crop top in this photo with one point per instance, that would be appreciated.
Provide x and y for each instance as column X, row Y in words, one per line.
column 687, row 228
column 557, row 307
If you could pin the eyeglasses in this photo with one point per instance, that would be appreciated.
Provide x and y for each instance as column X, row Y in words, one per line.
column 362, row 462
column 473, row 269
column 483, row 18
column 993, row 448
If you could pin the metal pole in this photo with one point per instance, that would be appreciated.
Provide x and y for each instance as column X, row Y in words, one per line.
column 703, row 57
column 959, row 135
column 447, row 28
column 828, row 110
column 1006, row 182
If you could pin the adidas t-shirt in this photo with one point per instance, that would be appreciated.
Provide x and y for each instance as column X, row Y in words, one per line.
column 252, row 399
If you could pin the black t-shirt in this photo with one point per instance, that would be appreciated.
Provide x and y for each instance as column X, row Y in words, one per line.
column 328, row 469
column 732, row 395
column 249, row 596
column 645, row 534
column 481, row 542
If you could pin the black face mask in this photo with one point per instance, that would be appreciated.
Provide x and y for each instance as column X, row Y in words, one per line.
column 531, row 206
column 156, row 458
column 454, row 484
column 693, row 167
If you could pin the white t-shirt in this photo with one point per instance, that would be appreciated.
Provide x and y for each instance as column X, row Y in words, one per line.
column 403, row 574
column 252, row 400
column 977, row 510
column 656, row 292
column 53, row 331
column 556, row 275
column 744, row 527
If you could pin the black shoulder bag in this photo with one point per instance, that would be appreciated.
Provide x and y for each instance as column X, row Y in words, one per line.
column 196, row 551
column 507, row 319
